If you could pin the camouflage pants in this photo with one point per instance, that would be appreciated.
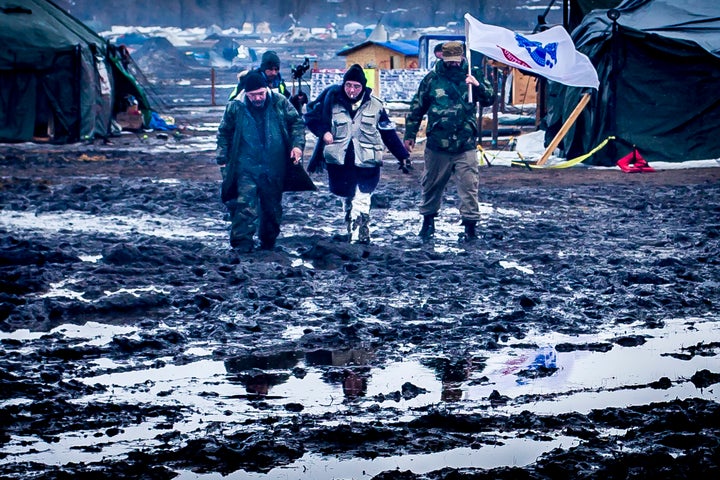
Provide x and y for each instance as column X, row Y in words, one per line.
column 258, row 208
column 465, row 170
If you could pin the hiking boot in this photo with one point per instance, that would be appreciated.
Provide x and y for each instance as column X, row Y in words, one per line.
column 267, row 245
column 362, row 225
column 427, row 231
column 470, row 233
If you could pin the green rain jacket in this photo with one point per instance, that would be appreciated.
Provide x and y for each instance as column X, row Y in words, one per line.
column 239, row 144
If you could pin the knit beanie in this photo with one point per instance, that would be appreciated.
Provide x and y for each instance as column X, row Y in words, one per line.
column 269, row 60
column 355, row 74
column 254, row 81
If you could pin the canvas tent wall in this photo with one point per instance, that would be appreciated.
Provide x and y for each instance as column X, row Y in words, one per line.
column 58, row 78
column 667, row 100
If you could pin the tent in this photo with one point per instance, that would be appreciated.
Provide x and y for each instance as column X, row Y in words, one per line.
column 658, row 83
column 59, row 80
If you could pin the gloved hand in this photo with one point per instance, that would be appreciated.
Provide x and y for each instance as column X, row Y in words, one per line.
column 405, row 165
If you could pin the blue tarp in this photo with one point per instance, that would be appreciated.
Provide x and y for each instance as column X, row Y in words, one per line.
column 157, row 123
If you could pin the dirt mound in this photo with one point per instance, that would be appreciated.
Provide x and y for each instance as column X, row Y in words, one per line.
column 157, row 58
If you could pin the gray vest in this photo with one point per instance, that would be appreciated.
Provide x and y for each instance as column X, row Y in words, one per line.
column 362, row 131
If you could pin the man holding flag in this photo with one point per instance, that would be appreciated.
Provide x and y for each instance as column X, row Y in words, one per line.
column 550, row 54
column 446, row 95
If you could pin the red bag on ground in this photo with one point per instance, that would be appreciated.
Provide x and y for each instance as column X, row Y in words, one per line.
column 633, row 162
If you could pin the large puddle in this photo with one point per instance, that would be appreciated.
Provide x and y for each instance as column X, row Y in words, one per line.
column 574, row 379
column 514, row 451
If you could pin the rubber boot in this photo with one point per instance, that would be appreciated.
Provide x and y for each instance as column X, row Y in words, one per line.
column 470, row 233
column 362, row 224
column 267, row 244
column 427, row 231
column 348, row 225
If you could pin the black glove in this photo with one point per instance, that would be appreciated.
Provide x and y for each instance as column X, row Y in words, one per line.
column 299, row 100
column 405, row 165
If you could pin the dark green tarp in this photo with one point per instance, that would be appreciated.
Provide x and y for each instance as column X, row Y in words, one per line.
column 58, row 78
column 580, row 8
column 668, row 72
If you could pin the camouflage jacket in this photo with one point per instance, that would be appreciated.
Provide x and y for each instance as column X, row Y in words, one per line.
column 443, row 96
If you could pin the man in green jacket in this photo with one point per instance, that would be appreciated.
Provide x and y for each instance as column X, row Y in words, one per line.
column 260, row 136
column 270, row 70
column 451, row 138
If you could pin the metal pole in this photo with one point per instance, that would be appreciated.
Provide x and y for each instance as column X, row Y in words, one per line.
column 613, row 15
column 495, row 83
column 212, row 87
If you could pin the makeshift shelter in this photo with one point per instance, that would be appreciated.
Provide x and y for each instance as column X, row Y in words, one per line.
column 659, row 75
column 59, row 80
column 378, row 51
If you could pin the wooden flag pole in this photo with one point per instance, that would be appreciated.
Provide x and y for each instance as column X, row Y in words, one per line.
column 564, row 129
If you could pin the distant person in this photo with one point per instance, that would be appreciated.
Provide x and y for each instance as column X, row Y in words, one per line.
column 241, row 80
column 352, row 126
column 270, row 71
column 437, row 52
column 451, row 138
column 260, row 135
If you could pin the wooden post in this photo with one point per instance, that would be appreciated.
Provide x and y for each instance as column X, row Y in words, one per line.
column 564, row 129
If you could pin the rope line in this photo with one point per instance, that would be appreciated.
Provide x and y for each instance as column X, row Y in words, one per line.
column 571, row 162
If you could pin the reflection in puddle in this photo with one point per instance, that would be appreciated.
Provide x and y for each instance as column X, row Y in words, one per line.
column 608, row 374
column 315, row 379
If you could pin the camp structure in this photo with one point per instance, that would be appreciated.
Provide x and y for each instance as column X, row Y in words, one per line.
column 378, row 51
column 59, row 81
column 659, row 75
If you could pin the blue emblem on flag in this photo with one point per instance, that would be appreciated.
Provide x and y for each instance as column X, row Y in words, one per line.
column 543, row 55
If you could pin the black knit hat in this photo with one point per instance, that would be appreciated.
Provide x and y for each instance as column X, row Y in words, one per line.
column 269, row 60
column 355, row 74
column 254, row 81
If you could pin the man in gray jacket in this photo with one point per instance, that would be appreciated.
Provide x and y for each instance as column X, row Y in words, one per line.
column 260, row 137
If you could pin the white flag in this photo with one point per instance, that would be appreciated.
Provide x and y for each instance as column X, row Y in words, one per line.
column 550, row 54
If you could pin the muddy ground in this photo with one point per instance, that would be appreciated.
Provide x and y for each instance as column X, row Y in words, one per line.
column 136, row 344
